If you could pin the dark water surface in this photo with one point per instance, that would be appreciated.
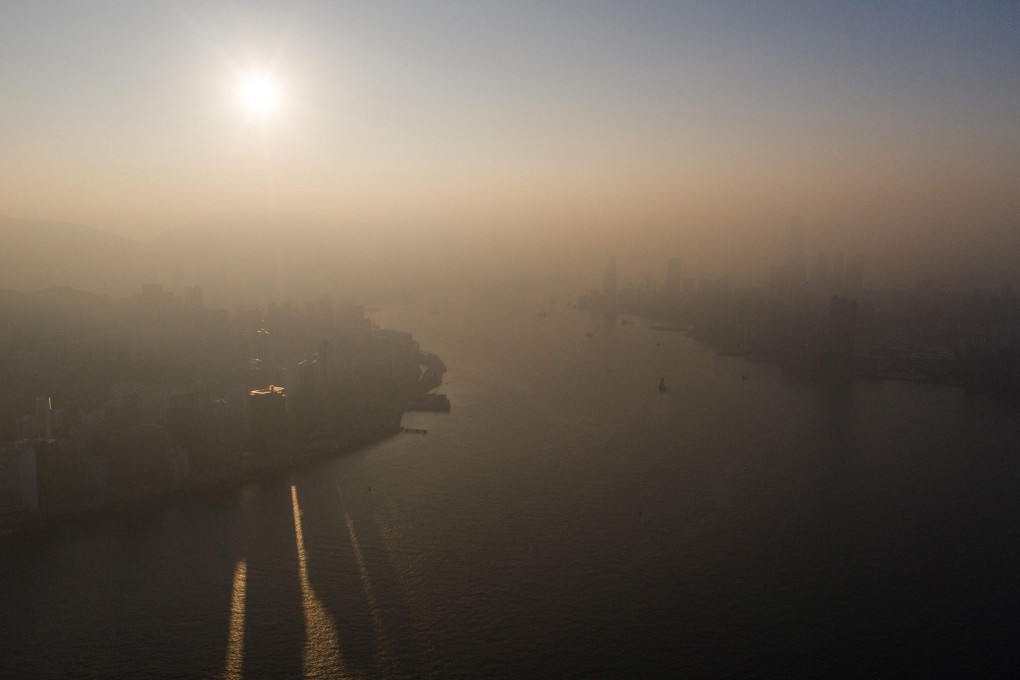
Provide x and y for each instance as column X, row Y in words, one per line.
column 566, row 519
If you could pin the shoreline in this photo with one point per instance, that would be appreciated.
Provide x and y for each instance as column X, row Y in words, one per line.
column 723, row 350
column 310, row 453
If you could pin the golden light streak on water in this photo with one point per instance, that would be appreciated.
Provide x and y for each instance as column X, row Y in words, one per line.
column 321, row 656
column 235, row 639
column 384, row 648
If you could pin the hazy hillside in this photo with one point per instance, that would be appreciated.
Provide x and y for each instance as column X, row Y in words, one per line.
column 232, row 265
column 36, row 255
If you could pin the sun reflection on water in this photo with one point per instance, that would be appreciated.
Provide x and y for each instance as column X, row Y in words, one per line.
column 321, row 656
column 235, row 639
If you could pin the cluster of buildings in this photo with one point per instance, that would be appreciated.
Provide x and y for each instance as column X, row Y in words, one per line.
column 822, row 321
column 156, row 393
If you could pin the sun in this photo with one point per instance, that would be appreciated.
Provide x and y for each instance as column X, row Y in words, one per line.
column 258, row 94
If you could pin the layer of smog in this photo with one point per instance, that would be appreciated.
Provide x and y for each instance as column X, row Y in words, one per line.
column 458, row 339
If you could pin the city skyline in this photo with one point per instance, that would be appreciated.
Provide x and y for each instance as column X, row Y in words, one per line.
column 468, row 339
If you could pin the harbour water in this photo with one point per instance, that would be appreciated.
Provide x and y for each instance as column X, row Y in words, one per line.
column 565, row 518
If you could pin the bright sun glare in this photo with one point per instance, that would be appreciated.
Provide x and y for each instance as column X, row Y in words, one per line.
column 258, row 94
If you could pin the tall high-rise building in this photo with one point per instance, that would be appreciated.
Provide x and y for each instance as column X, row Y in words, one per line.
column 44, row 418
column 304, row 401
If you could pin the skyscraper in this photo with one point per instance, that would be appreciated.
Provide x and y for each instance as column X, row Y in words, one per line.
column 44, row 418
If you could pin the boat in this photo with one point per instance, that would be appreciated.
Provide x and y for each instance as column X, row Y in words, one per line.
column 662, row 384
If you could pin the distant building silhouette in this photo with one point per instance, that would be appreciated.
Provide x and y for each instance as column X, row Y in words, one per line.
column 306, row 397
column 43, row 418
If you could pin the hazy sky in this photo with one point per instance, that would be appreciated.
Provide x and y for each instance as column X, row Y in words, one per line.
column 559, row 121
